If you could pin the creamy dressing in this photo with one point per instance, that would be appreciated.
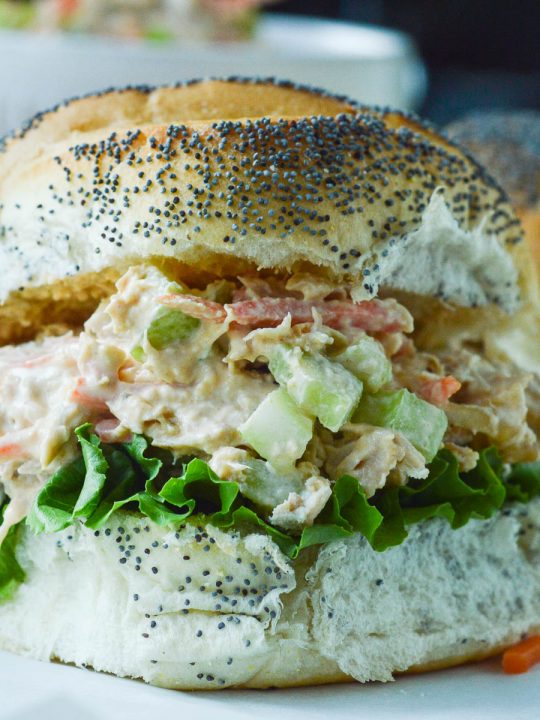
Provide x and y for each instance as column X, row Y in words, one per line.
column 122, row 322
column 201, row 417
column 37, row 414
column 184, row 397
column 37, row 418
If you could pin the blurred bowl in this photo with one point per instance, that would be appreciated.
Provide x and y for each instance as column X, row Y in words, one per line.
column 370, row 64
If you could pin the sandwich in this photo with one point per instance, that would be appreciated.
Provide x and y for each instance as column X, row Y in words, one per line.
column 255, row 430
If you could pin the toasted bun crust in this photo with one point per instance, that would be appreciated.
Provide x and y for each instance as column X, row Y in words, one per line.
column 227, row 175
column 208, row 609
column 508, row 145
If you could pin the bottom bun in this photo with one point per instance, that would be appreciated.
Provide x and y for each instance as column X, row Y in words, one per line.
column 202, row 608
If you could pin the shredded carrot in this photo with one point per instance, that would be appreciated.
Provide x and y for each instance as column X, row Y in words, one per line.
column 87, row 401
column 521, row 657
column 11, row 450
column 438, row 390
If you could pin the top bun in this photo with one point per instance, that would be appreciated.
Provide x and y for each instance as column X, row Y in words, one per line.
column 225, row 176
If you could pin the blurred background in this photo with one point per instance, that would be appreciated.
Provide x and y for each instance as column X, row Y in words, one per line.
column 443, row 58
column 479, row 54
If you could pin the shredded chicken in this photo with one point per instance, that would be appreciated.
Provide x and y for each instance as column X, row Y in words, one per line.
column 311, row 337
column 314, row 288
column 394, row 343
column 37, row 412
column 423, row 374
column 301, row 509
column 255, row 287
column 294, row 500
column 411, row 463
column 300, row 285
column 467, row 457
column 374, row 456
column 229, row 462
column 492, row 405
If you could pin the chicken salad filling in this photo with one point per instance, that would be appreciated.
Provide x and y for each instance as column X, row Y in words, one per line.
column 281, row 388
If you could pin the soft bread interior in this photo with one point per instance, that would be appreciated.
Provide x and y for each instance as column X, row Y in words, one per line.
column 239, row 614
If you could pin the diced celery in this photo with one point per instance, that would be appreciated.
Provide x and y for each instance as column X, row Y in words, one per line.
column 175, row 288
column 280, row 361
column 420, row 422
column 278, row 430
column 266, row 487
column 170, row 326
column 166, row 326
column 366, row 360
column 321, row 387
column 138, row 354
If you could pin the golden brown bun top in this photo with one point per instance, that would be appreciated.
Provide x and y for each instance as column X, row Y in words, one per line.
column 224, row 176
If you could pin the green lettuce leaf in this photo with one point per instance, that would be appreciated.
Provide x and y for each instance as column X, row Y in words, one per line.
column 54, row 506
column 11, row 573
column 121, row 485
column 523, row 482
column 108, row 477
column 95, row 476
column 201, row 490
column 151, row 466
column 129, row 470
column 103, row 480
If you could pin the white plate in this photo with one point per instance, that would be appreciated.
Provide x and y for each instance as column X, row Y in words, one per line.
column 370, row 64
column 30, row 690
